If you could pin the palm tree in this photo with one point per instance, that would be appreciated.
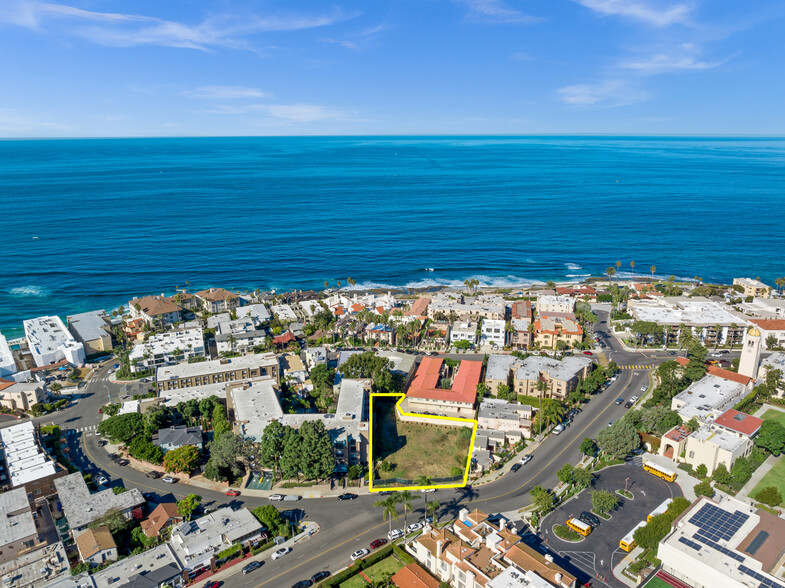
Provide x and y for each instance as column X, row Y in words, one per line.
column 611, row 271
column 404, row 498
column 542, row 388
column 423, row 481
column 431, row 508
column 632, row 265
column 389, row 508
column 350, row 281
column 732, row 334
column 339, row 284
column 618, row 264
column 653, row 269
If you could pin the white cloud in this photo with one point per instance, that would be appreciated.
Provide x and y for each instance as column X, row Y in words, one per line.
column 637, row 10
column 225, row 93
column 609, row 93
column 497, row 11
column 289, row 112
column 127, row 30
column 341, row 43
column 664, row 63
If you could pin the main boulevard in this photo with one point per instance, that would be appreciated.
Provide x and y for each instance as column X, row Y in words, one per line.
column 350, row 525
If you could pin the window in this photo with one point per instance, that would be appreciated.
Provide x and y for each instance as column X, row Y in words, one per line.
column 444, row 565
column 692, row 454
column 461, row 575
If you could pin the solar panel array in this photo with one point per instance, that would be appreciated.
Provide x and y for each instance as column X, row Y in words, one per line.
column 716, row 524
column 720, row 548
column 765, row 582
column 756, row 543
column 689, row 543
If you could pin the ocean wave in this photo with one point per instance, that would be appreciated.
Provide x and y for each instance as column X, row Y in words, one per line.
column 508, row 281
column 36, row 291
column 573, row 266
column 577, row 275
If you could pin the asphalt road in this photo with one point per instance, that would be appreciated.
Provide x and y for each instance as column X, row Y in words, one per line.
column 347, row 526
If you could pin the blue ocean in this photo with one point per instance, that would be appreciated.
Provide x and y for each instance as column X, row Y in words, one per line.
column 89, row 223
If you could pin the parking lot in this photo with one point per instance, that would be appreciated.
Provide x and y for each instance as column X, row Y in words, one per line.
column 599, row 552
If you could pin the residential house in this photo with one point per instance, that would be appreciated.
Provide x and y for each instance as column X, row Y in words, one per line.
column 238, row 336
column 163, row 516
column 49, row 341
column 438, row 334
column 418, row 309
column 424, row 396
column 157, row 311
column 754, row 288
column 155, row 568
column 463, row 331
column 379, row 333
column 587, row 293
column 285, row 313
column 18, row 529
column 92, row 330
column 521, row 309
column 21, row 395
column 493, row 332
column 81, row 507
column 522, row 334
column 176, row 437
column 500, row 415
column 295, row 374
column 218, row 300
column 167, row 349
column 559, row 377
column 413, row 576
column 556, row 332
column 96, row 546
column 315, row 356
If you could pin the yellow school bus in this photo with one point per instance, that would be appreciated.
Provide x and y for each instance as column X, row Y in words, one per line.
column 666, row 474
column 659, row 510
column 627, row 543
column 578, row 526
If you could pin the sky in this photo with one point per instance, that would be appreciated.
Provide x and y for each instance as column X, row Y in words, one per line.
column 110, row 68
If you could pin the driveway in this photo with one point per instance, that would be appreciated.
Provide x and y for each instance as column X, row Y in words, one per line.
column 599, row 552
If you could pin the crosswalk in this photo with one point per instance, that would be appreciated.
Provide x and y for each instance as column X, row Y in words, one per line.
column 642, row 366
column 88, row 431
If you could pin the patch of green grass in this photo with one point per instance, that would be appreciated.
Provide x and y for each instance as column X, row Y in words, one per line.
column 774, row 415
column 657, row 583
column 566, row 533
column 775, row 477
column 378, row 571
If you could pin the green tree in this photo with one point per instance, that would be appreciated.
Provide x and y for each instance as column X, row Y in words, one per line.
column 122, row 428
column 618, row 440
column 704, row 489
column 155, row 418
column 184, row 459
column 771, row 437
column 721, row 475
column 603, row 501
column 220, row 424
column 431, row 509
column 317, row 459
column 188, row 505
column 701, row 471
column 588, row 446
column 650, row 535
column 741, row 471
column 693, row 425
column 551, row 411
column 271, row 446
column 269, row 516
column 323, row 378
column 223, row 462
column 542, row 499
column 611, row 271
column 405, row 499
column 503, row 392
column 565, row 473
column 582, row 478
column 141, row 447
column 140, row 541
column 769, row 495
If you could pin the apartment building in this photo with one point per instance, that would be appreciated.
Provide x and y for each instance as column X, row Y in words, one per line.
column 18, row 531
column 379, row 333
column 549, row 303
column 771, row 331
column 493, row 332
column 7, row 362
column 167, row 349
column 463, row 331
column 156, row 311
column 754, row 288
column 218, row 300
column 508, row 417
column 26, row 465
column 521, row 309
column 557, row 332
column 559, row 377
column 473, row 553
column 455, row 305
column 246, row 367
column 522, row 334
column 498, row 371
column 21, row 395
column 92, row 330
column 49, row 341
column 425, row 396
column 81, row 507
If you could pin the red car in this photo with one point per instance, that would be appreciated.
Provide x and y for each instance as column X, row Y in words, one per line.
column 232, row 493
column 587, row 352
column 378, row 543
column 212, row 585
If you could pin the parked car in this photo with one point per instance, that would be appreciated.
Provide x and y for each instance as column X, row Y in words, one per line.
column 122, row 462
column 319, row 576
column 252, row 566
column 291, row 497
column 359, row 554
column 303, row 584
column 525, row 459
column 515, row 467
column 619, row 400
column 589, row 518
column 395, row 534
column 275, row 497
column 724, row 352
column 644, row 388
column 671, row 353
column 149, row 496
column 153, row 474
column 214, row 584
column 280, row 553
column 587, row 352
column 102, row 480
column 414, row 527
column 428, row 490
column 628, row 404
column 558, row 429
column 716, row 354
column 232, row 493
column 376, row 543
column 347, row 496
column 113, row 456
column 169, row 480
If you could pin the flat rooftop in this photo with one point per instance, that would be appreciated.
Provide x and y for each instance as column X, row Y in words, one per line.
column 707, row 398
column 558, row 301
column 284, row 312
column 723, row 439
column 679, row 310
column 145, row 569
column 212, row 532
column 47, row 334
column 255, row 405
column 255, row 311
column 81, row 507
column 89, row 325
column 204, row 368
column 38, row 567
column 24, row 457
column 565, row 369
column 166, row 343
column 6, row 356
column 16, row 518
column 173, row 397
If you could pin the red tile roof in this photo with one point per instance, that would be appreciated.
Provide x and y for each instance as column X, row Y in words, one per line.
column 339, row 311
column 464, row 387
column 522, row 309
column 413, row 576
column 284, row 338
column 770, row 324
column 739, row 421
column 677, row 434
column 357, row 307
column 418, row 307
column 713, row 370
column 5, row 384
column 468, row 377
column 427, row 375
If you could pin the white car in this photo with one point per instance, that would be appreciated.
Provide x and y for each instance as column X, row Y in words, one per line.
column 280, row 553
column 644, row 388
column 360, row 553
column 102, row 480
column 716, row 354
column 428, row 490
column 275, row 497
column 414, row 527
column 525, row 459
column 169, row 480
column 558, row 429
column 395, row 534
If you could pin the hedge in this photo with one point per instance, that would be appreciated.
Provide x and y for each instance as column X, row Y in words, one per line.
column 745, row 403
column 402, row 555
column 262, row 547
column 375, row 557
column 229, row 552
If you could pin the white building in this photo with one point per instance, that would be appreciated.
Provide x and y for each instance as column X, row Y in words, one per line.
column 92, row 330
column 493, row 332
column 463, row 332
column 7, row 363
column 284, row 313
column 157, row 566
column 487, row 307
column 775, row 361
column 196, row 542
column 314, row 356
column 550, row 303
column 310, row 308
column 166, row 349
column 771, row 328
column 708, row 398
column 43, row 567
column 727, row 544
column 754, row 288
column 50, row 341
column 240, row 335
column 26, row 462
column 500, row 415
column 257, row 312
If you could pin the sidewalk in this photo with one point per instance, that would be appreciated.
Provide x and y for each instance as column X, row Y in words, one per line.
column 627, row 560
column 309, row 529
column 531, row 445
column 764, row 469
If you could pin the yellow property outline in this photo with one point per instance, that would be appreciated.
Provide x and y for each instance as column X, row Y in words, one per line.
column 427, row 416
